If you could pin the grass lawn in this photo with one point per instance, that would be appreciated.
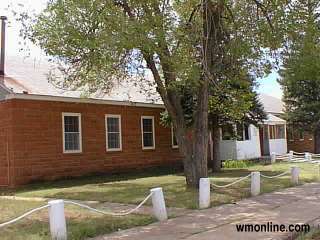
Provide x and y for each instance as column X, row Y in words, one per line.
column 133, row 188
column 81, row 223
column 314, row 234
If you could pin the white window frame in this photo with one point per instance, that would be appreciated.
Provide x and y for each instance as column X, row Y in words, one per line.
column 68, row 114
column 120, row 132
column 172, row 139
column 153, row 133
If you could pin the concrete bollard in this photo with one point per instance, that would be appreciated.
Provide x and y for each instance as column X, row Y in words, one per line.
column 255, row 183
column 307, row 156
column 58, row 227
column 273, row 157
column 290, row 155
column 204, row 193
column 159, row 205
column 295, row 175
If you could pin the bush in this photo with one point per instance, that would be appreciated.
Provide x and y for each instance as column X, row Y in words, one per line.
column 237, row 163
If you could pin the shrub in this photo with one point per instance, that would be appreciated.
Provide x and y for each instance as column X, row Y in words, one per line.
column 237, row 163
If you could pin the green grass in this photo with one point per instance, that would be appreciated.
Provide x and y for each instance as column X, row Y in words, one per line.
column 81, row 224
column 133, row 188
column 314, row 234
column 129, row 188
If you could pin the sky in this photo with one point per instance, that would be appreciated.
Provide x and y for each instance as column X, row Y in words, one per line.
column 267, row 85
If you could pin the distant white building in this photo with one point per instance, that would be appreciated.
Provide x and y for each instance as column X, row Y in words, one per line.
column 254, row 142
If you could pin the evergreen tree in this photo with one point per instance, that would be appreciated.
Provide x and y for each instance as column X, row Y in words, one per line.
column 300, row 75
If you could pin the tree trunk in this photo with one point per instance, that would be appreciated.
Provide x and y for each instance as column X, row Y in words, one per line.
column 317, row 140
column 215, row 162
column 193, row 144
column 216, row 137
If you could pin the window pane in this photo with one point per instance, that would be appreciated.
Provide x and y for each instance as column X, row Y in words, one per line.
column 113, row 124
column 301, row 134
column 147, row 139
column 272, row 132
column 147, row 125
column 227, row 132
column 72, row 141
column 240, row 132
column 113, row 140
column 246, row 132
column 71, row 124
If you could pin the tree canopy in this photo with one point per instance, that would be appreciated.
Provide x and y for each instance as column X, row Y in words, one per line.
column 186, row 45
column 300, row 74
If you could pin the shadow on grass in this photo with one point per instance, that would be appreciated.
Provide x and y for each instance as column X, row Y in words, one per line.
column 98, row 178
column 134, row 187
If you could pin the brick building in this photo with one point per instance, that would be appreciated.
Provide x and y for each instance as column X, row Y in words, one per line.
column 45, row 134
column 300, row 141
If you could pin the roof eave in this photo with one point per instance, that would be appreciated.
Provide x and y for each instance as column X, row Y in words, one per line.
column 37, row 97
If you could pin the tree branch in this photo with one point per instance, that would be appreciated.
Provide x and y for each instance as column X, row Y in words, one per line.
column 265, row 12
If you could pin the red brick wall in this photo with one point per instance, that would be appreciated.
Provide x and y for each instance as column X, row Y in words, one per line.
column 299, row 145
column 38, row 148
column 5, row 115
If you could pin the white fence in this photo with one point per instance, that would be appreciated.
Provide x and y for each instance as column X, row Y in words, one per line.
column 205, row 184
column 57, row 219
column 293, row 156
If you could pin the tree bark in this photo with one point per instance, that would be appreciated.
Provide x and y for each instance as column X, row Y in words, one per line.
column 216, row 137
column 193, row 141
column 317, row 140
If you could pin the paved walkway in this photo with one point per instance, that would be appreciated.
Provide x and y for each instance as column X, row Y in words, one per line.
column 296, row 205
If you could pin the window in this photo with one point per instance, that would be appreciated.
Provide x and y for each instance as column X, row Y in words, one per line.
column 113, row 133
column 71, row 125
column 227, row 132
column 277, row 131
column 243, row 133
column 281, row 131
column 147, row 130
column 301, row 134
column 246, row 132
column 174, row 139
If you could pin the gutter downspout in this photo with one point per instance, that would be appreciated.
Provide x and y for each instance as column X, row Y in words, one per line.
column 3, row 39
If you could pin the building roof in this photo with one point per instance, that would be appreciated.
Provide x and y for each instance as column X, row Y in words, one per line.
column 25, row 75
column 30, row 77
column 272, row 119
column 271, row 104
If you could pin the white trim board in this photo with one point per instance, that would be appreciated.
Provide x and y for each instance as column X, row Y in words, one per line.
column 153, row 133
column 63, row 132
column 120, row 132
column 81, row 100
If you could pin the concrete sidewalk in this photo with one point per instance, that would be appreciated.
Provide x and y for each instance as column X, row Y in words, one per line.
column 296, row 205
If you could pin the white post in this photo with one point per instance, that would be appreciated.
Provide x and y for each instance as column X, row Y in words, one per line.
column 273, row 157
column 290, row 155
column 307, row 156
column 204, row 193
column 57, row 220
column 159, row 205
column 255, row 183
column 295, row 175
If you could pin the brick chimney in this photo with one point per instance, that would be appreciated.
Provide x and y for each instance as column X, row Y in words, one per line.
column 2, row 47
